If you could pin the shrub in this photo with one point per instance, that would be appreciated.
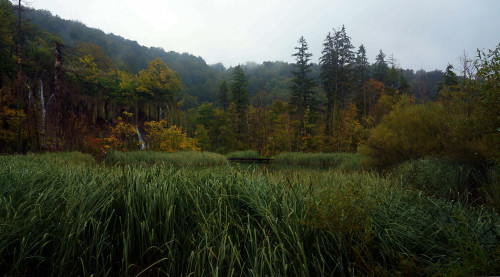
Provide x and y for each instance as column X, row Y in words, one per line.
column 409, row 132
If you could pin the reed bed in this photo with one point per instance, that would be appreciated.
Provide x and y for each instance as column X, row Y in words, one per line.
column 64, row 218
column 341, row 161
column 247, row 154
column 182, row 158
column 444, row 178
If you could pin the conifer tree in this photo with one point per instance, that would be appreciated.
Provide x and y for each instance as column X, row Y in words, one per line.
column 346, row 66
column 223, row 95
column 303, row 84
column 450, row 79
column 329, row 72
column 337, row 62
column 240, row 98
column 337, row 68
column 362, row 73
column 380, row 68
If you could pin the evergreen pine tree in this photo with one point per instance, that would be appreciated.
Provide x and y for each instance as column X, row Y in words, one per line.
column 450, row 79
column 223, row 95
column 240, row 98
column 328, row 75
column 303, row 85
column 346, row 62
column 337, row 62
column 337, row 68
column 380, row 68
column 362, row 73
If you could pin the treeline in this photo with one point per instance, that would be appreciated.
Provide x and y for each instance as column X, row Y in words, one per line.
column 109, row 89
column 388, row 113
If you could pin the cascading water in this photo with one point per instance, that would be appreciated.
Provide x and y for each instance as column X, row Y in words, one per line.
column 170, row 115
column 31, row 100
column 141, row 141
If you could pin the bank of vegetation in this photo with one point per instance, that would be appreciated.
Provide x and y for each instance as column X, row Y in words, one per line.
column 66, row 214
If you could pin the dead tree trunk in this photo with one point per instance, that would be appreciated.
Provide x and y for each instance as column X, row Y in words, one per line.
column 19, row 83
column 57, row 95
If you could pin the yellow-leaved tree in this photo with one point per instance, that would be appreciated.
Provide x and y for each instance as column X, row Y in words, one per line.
column 123, row 136
column 10, row 122
column 158, row 82
column 162, row 137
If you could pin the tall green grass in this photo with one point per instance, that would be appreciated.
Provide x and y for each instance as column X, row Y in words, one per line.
column 247, row 154
column 183, row 158
column 64, row 218
column 443, row 178
column 341, row 161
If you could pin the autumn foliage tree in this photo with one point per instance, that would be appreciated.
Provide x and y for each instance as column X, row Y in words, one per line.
column 162, row 137
column 122, row 136
column 158, row 85
column 465, row 127
column 10, row 119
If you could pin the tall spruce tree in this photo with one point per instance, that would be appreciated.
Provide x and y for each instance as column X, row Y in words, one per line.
column 240, row 98
column 380, row 68
column 346, row 66
column 362, row 73
column 336, row 75
column 223, row 95
column 337, row 67
column 329, row 71
column 302, row 84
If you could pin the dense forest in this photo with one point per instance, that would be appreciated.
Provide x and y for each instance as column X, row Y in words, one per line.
column 65, row 86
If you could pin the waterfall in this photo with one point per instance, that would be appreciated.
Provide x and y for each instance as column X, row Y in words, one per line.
column 31, row 100
column 170, row 116
column 141, row 141
column 161, row 112
column 49, row 102
column 42, row 108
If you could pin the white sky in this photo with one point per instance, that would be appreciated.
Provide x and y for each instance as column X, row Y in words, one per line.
column 421, row 34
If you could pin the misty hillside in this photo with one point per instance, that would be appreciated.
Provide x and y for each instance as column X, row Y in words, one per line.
column 197, row 77
column 267, row 81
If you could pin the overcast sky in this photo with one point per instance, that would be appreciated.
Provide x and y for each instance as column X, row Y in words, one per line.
column 423, row 34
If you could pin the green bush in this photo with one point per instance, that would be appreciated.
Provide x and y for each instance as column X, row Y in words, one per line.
column 406, row 133
column 441, row 130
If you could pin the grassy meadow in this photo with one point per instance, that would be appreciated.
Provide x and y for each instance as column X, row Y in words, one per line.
column 153, row 214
